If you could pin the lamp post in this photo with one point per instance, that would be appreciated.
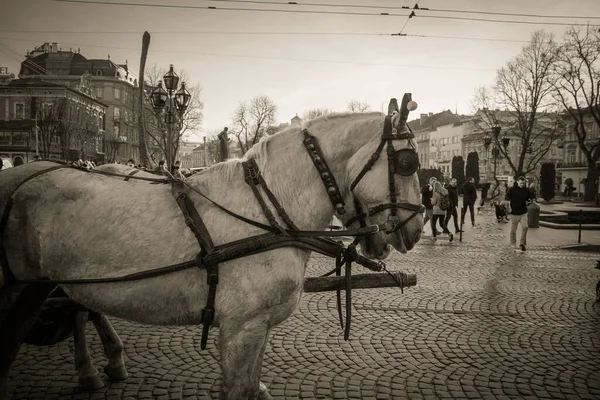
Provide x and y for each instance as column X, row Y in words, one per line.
column 172, row 103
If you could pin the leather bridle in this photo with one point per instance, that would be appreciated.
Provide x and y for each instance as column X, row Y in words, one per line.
column 404, row 162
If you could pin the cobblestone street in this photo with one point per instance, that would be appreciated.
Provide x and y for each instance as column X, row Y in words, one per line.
column 483, row 321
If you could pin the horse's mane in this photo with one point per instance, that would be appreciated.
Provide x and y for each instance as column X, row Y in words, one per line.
column 259, row 151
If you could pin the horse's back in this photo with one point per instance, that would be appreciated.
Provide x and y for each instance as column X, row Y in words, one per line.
column 12, row 178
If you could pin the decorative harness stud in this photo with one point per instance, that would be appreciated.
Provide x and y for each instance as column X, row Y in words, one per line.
column 403, row 162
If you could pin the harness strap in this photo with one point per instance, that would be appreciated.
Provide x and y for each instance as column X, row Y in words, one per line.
column 316, row 155
column 280, row 210
column 251, row 174
column 197, row 226
column 132, row 173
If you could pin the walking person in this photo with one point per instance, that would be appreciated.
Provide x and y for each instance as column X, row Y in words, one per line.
column 519, row 197
column 484, row 194
column 438, row 213
column 498, row 200
column 469, row 199
column 426, row 194
column 452, row 210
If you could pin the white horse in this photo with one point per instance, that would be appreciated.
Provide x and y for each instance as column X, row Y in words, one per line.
column 69, row 224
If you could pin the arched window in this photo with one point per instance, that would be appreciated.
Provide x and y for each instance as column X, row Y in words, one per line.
column 99, row 73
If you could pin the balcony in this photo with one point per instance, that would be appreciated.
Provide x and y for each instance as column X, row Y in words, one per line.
column 581, row 164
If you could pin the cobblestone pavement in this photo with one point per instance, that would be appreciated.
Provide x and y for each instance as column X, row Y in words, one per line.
column 483, row 322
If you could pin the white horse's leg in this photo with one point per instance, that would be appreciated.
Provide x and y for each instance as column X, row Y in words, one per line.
column 17, row 320
column 89, row 378
column 113, row 347
column 242, row 350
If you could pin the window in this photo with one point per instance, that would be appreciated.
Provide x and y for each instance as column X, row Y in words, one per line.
column 117, row 113
column 4, row 137
column 571, row 154
column 18, row 138
column 99, row 92
column 19, row 110
column 116, row 131
column 47, row 109
column 99, row 73
column 117, row 93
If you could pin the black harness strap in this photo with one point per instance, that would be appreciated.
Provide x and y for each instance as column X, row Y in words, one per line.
column 316, row 154
column 197, row 226
column 251, row 174
column 132, row 173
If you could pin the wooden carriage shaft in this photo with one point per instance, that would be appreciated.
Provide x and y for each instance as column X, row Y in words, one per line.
column 359, row 281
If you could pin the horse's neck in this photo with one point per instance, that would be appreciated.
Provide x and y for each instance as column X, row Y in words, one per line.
column 291, row 176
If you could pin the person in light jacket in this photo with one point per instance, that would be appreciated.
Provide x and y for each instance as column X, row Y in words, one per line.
column 438, row 213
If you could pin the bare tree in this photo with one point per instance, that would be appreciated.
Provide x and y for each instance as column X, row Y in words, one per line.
column 64, row 125
column 156, row 128
column 577, row 88
column 315, row 112
column 251, row 121
column 358, row 106
column 50, row 118
column 522, row 104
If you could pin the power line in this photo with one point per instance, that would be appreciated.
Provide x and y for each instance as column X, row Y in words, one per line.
column 266, row 33
column 289, row 11
column 294, row 3
column 441, row 67
column 412, row 14
column 199, row 32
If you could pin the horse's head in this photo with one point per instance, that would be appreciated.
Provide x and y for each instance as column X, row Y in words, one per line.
column 385, row 186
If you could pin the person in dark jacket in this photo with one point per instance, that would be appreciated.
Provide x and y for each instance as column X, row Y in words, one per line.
column 451, row 211
column 426, row 195
column 469, row 198
column 520, row 197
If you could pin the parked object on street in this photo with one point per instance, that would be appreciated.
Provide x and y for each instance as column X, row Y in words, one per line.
column 6, row 163
column 533, row 215
column 260, row 276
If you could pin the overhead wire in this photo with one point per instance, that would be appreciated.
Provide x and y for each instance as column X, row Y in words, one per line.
column 384, row 7
column 292, row 11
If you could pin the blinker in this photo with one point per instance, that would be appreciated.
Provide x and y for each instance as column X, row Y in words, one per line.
column 406, row 162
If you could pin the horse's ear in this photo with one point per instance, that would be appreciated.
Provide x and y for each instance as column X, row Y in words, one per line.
column 404, row 109
column 393, row 106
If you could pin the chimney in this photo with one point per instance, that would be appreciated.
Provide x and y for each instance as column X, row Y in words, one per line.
column 423, row 119
column 54, row 47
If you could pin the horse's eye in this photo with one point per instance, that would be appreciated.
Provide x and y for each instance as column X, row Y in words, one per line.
column 406, row 162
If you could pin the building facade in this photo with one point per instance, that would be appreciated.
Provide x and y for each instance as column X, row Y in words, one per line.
column 110, row 83
column 478, row 128
column 49, row 120
column 574, row 163
column 439, row 139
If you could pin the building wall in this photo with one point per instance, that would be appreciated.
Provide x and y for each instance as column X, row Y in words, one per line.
column 445, row 143
column 116, row 93
column 18, row 121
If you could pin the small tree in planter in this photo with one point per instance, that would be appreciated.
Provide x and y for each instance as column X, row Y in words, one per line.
column 458, row 171
column 548, row 177
column 472, row 170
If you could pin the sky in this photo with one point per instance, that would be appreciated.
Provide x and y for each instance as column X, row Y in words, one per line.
column 303, row 56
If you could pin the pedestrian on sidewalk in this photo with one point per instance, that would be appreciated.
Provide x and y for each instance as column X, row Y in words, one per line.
column 426, row 194
column 452, row 210
column 484, row 194
column 469, row 199
column 519, row 197
column 438, row 213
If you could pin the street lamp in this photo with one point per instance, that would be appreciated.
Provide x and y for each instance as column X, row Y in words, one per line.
column 174, row 103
